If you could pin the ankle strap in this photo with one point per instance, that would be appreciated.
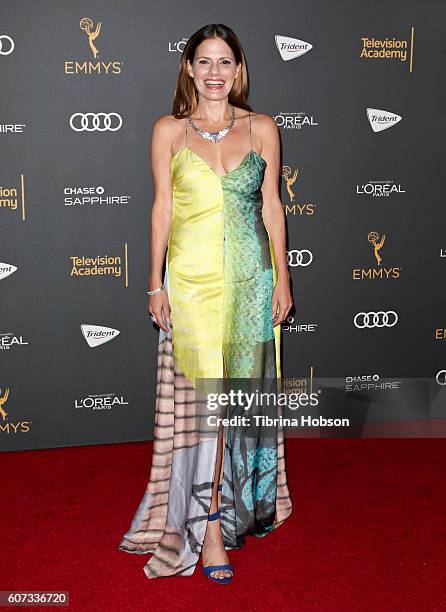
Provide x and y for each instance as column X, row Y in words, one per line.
column 215, row 516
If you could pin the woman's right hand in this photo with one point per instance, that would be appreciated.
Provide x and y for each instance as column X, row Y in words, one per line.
column 159, row 307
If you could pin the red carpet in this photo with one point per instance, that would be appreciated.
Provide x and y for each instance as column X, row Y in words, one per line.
column 368, row 531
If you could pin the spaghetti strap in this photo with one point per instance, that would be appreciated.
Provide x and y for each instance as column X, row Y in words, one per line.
column 185, row 124
column 250, row 133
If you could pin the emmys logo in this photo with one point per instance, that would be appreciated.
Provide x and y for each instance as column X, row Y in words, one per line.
column 96, row 335
column 92, row 67
column 440, row 333
column 7, row 426
column 86, row 25
column 290, row 48
column 294, row 121
column 12, row 198
column 303, row 209
column 388, row 48
column 100, row 266
column 379, row 189
column 6, row 270
column 3, row 400
column 381, row 120
column 377, row 244
column 290, row 178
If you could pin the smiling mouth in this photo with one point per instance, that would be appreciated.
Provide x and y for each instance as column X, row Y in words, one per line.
column 211, row 84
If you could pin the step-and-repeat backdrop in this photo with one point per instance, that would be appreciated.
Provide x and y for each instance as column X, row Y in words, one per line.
column 357, row 90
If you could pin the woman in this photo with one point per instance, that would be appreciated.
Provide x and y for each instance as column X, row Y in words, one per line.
column 226, row 291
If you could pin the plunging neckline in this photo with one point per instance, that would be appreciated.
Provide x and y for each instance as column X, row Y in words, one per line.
column 209, row 167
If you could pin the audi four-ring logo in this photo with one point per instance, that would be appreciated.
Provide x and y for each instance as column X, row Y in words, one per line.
column 441, row 377
column 99, row 122
column 376, row 319
column 299, row 258
column 9, row 44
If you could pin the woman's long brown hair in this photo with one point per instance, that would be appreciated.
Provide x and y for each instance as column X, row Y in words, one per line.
column 185, row 98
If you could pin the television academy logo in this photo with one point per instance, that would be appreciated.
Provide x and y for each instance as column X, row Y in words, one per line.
column 6, row 270
column 95, row 122
column 8, row 340
column 100, row 265
column 379, row 189
column 295, row 120
column 377, row 243
column 388, row 48
column 301, row 384
column 290, row 48
column 95, row 335
column 96, row 67
column 9, row 198
column 12, row 198
column 92, row 196
column 381, row 120
column 103, row 401
column 6, row 44
column 6, row 425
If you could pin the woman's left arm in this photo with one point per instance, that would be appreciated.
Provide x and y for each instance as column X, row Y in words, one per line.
column 274, row 217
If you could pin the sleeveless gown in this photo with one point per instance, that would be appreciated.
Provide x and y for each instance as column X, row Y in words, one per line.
column 219, row 278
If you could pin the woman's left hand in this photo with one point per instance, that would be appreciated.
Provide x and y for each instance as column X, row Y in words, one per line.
column 282, row 300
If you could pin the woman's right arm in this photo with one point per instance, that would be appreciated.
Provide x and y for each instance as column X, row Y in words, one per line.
column 161, row 215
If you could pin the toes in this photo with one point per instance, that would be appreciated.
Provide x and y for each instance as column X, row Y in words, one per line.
column 219, row 574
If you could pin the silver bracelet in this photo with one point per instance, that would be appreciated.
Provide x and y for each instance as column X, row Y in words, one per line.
column 157, row 290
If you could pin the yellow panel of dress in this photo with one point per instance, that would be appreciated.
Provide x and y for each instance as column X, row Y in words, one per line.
column 220, row 271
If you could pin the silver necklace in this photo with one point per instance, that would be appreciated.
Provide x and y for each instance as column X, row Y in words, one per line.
column 214, row 136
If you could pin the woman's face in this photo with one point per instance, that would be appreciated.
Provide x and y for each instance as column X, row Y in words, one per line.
column 213, row 69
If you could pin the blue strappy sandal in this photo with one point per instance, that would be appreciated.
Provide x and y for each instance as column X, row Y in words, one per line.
column 207, row 571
